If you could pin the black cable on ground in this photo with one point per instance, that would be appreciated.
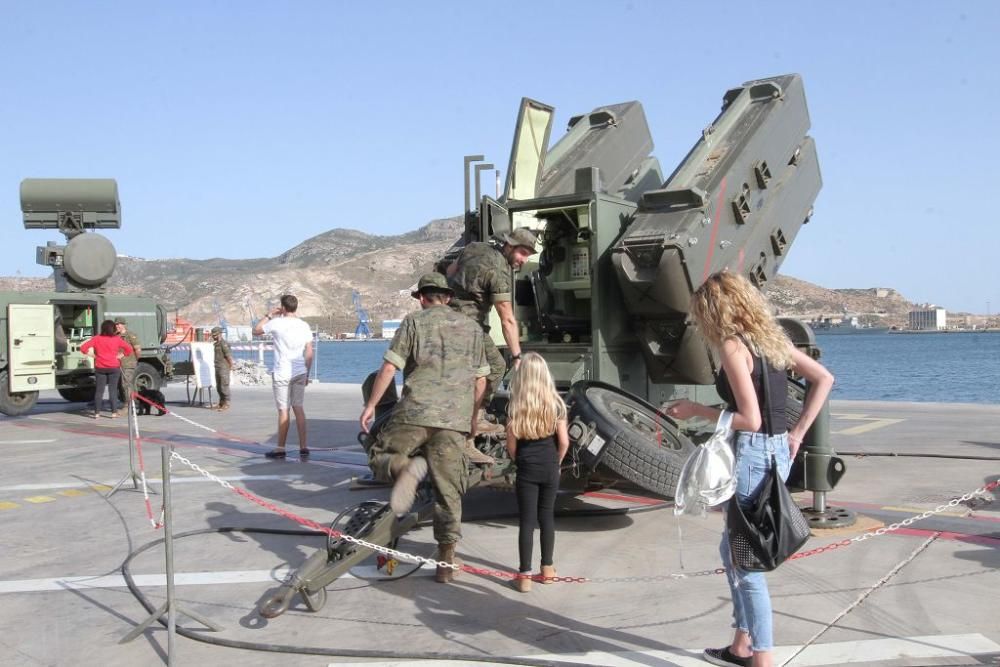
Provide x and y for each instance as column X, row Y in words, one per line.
column 348, row 653
column 921, row 456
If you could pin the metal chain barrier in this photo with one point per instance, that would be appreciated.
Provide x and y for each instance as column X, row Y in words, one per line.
column 954, row 502
column 505, row 574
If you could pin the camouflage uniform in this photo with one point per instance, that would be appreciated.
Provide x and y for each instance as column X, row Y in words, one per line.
column 129, row 363
column 223, row 365
column 441, row 353
column 481, row 279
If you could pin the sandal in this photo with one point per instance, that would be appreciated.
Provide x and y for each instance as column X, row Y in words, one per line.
column 275, row 454
column 304, row 454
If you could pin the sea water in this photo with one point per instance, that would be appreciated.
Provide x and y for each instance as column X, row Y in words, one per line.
column 940, row 367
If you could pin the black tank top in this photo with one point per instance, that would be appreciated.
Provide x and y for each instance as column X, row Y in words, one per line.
column 777, row 386
column 537, row 460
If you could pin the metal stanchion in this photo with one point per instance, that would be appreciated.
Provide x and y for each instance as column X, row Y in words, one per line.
column 171, row 607
column 133, row 429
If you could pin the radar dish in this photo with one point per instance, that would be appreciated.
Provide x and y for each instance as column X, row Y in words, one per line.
column 89, row 259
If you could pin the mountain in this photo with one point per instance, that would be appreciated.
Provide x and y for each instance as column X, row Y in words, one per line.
column 324, row 270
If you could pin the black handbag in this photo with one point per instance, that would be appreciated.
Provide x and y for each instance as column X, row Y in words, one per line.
column 764, row 536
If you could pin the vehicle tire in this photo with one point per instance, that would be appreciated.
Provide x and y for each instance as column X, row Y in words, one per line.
column 15, row 405
column 643, row 445
column 147, row 377
column 77, row 394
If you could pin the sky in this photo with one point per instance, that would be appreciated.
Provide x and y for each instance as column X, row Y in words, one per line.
column 240, row 129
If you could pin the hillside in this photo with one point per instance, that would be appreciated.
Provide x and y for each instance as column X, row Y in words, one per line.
column 323, row 270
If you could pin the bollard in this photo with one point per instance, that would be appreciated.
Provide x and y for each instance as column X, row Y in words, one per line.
column 817, row 468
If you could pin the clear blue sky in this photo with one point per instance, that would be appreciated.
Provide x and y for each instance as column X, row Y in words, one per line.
column 257, row 125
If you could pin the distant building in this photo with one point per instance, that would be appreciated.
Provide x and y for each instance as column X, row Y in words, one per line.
column 928, row 319
column 238, row 333
column 389, row 327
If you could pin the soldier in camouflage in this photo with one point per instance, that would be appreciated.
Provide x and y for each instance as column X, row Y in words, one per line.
column 481, row 278
column 128, row 362
column 223, row 367
column 443, row 359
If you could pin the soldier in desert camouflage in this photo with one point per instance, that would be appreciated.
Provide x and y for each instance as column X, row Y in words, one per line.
column 223, row 367
column 443, row 359
column 129, row 362
column 481, row 280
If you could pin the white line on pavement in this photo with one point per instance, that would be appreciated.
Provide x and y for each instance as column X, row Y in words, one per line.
column 836, row 653
column 175, row 480
column 25, row 442
column 180, row 579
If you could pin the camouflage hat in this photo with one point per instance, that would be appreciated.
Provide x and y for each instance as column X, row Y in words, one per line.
column 120, row 320
column 432, row 281
column 216, row 330
column 522, row 237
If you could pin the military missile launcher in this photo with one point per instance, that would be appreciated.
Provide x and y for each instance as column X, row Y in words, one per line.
column 606, row 298
column 41, row 332
column 622, row 249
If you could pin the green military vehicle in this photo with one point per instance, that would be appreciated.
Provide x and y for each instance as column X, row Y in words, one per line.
column 605, row 300
column 41, row 332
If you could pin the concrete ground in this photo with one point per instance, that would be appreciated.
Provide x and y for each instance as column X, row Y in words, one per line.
column 925, row 595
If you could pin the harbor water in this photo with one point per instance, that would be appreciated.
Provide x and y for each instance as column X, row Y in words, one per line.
column 946, row 368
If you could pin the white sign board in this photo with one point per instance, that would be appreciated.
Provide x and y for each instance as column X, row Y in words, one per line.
column 203, row 359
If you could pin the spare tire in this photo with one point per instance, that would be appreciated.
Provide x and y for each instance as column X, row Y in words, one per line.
column 642, row 444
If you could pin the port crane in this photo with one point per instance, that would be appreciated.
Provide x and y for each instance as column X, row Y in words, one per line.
column 363, row 330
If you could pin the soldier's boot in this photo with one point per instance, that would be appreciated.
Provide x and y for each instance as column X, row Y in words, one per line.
column 548, row 571
column 446, row 553
column 487, row 427
column 404, row 491
column 476, row 456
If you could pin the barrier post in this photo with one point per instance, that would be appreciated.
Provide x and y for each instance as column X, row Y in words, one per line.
column 171, row 607
column 133, row 429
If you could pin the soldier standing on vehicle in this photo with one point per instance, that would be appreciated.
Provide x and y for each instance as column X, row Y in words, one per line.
column 443, row 359
column 223, row 367
column 129, row 362
column 481, row 279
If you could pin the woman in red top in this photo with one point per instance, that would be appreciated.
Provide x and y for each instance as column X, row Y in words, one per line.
column 108, row 349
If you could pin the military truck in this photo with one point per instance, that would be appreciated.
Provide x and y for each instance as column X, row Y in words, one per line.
column 41, row 332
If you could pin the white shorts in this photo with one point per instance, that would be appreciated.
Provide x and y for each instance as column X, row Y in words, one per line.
column 289, row 392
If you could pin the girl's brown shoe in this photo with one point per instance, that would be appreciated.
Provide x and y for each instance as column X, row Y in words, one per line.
column 523, row 583
column 548, row 571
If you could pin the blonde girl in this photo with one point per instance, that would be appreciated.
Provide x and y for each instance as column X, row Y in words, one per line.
column 537, row 442
column 734, row 318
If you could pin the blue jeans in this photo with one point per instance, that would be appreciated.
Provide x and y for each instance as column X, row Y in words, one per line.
column 751, row 600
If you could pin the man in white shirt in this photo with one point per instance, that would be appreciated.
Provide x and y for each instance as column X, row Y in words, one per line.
column 293, row 357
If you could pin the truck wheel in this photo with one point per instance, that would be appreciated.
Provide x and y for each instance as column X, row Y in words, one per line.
column 77, row 394
column 15, row 405
column 147, row 377
column 643, row 446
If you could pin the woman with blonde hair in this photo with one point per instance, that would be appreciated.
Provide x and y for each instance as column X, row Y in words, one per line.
column 537, row 442
column 735, row 320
